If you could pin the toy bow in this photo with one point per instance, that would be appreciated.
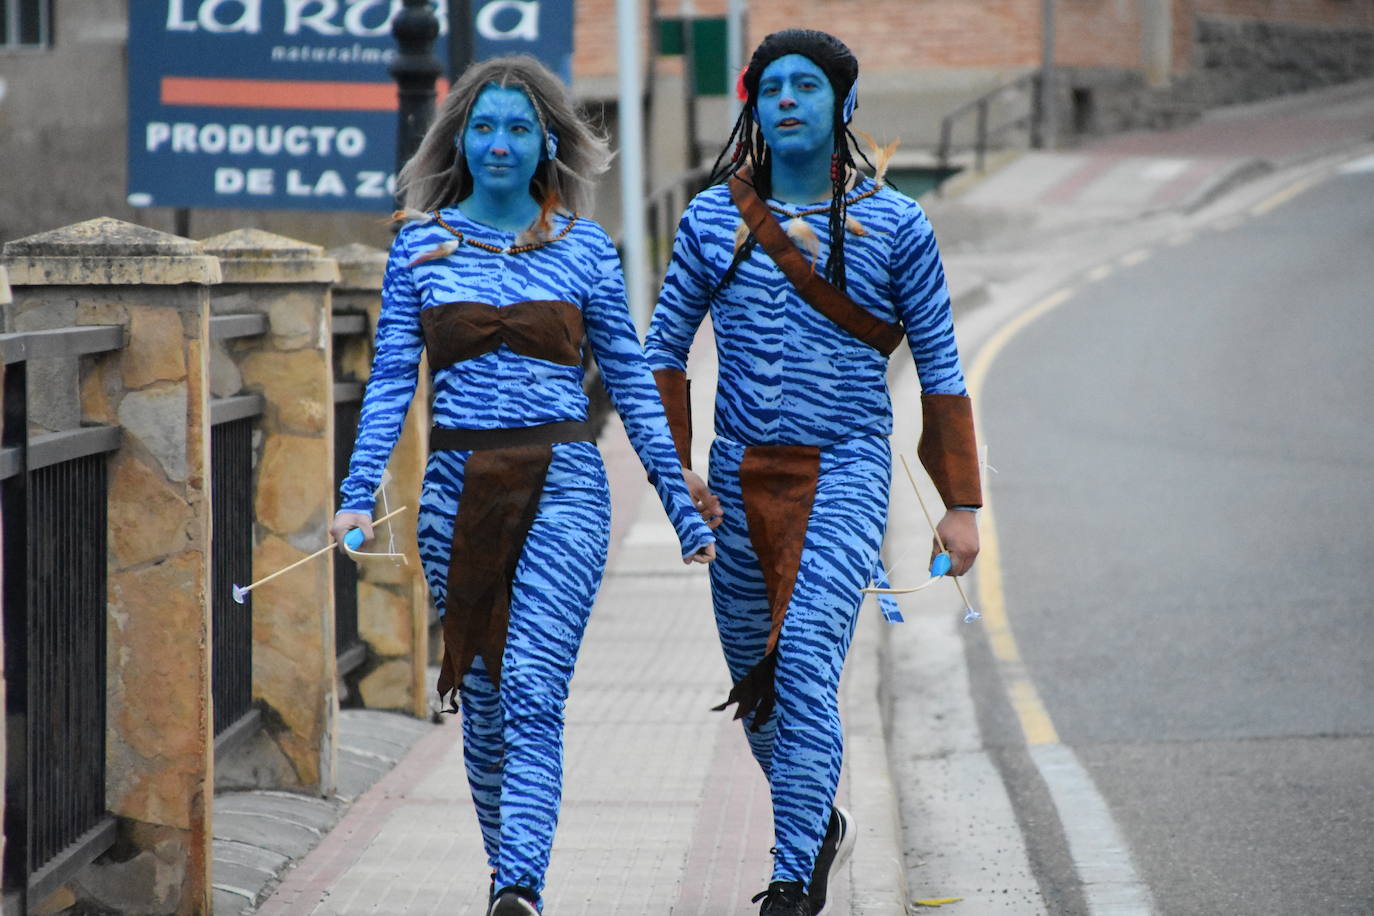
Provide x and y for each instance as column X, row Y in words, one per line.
column 939, row 568
column 352, row 540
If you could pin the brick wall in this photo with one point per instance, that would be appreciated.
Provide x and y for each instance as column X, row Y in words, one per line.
column 896, row 36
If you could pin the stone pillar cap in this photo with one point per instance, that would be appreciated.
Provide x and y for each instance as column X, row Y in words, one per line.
column 105, row 251
column 257, row 256
column 360, row 266
column 4, row 286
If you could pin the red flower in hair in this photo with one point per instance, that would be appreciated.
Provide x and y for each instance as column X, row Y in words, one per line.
column 741, row 93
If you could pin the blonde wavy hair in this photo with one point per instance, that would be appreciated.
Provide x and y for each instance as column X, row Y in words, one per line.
column 438, row 176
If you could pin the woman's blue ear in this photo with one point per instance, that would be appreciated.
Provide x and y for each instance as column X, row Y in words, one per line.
column 551, row 145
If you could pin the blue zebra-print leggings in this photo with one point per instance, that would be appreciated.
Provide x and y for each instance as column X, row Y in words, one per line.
column 801, row 745
column 513, row 737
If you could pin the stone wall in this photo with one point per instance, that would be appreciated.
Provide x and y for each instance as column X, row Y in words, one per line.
column 160, row 744
column 1236, row 60
column 159, row 737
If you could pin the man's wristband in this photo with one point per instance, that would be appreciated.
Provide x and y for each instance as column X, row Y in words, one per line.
column 973, row 509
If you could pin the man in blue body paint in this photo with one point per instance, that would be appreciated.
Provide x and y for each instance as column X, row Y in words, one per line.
column 812, row 274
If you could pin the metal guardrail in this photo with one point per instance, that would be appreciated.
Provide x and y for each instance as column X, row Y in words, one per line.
column 231, row 563
column 349, row 650
column 984, row 133
column 55, row 492
column 231, row 546
column 663, row 209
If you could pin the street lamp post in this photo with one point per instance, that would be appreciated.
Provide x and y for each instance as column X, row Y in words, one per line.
column 1047, row 126
column 460, row 41
column 415, row 69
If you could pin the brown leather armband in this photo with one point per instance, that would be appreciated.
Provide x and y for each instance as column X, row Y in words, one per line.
column 675, row 392
column 948, row 450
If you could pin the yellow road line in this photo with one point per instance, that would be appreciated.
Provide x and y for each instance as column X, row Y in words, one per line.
column 1282, row 197
column 1139, row 256
column 1025, row 699
column 1100, row 272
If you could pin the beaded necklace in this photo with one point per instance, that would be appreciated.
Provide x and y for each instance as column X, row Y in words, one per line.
column 514, row 249
column 824, row 208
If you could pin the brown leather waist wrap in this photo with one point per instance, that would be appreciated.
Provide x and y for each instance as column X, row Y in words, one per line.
column 462, row 440
column 544, row 329
column 501, row 491
column 675, row 391
column 815, row 290
column 778, row 483
column 948, row 449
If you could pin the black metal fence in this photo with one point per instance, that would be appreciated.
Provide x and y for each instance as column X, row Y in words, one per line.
column 348, row 399
column 231, row 563
column 55, row 493
column 1021, row 96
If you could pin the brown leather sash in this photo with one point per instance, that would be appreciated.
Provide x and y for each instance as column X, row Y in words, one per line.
column 814, row 289
column 778, row 483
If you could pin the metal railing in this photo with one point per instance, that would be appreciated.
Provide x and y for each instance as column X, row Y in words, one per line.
column 1026, row 86
column 348, row 401
column 231, row 546
column 662, row 211
column 55, row 492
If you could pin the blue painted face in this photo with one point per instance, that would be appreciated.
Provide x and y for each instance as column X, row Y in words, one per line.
column 502, row 141
column 796, row 106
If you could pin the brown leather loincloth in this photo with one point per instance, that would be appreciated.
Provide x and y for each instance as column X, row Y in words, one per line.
column 778, row 483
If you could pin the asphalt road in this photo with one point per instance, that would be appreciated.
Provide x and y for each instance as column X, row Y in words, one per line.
column 1185, row 502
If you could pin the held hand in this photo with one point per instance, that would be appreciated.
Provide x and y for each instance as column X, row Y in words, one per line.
column 345, row 521
column 959, row 530
column 706, row 502
column 704, row 555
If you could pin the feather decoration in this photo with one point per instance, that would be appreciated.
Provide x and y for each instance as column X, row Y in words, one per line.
column 741, row 234
column 800, row 231
column 439, row 251
column 882, row 155
column 401, row 216
column 854, row 226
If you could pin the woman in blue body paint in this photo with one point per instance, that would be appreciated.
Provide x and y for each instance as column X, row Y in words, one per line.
column 498, row 278
column 812, row 274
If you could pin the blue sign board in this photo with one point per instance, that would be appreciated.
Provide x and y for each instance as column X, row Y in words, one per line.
column 287, row 104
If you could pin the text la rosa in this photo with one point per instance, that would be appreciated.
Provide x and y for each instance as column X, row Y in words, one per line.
column 358, row 18
column 258, row 182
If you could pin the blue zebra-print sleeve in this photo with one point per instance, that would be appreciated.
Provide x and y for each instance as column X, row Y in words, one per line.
column 626, row 375
column 391, row 385
column 682, row 302
column 919, row 292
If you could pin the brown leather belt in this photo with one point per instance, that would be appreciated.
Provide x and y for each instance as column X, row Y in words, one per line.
column 472, row 440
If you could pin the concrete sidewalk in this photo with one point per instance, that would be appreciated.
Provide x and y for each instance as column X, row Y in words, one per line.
column 664, row 810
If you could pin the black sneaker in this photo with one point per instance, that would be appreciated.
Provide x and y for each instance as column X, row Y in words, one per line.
column 834, row 852
column 783, row 898
column 514, row 901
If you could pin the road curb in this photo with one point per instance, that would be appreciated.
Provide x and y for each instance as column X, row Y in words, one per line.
column 877, row 871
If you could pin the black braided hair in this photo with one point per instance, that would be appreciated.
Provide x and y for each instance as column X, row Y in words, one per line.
column 746, row 146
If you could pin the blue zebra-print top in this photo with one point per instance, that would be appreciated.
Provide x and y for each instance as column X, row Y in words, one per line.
column 789, row 375
column 502, row 389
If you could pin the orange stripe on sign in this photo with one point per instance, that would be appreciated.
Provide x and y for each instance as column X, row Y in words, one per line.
column 316, row 95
